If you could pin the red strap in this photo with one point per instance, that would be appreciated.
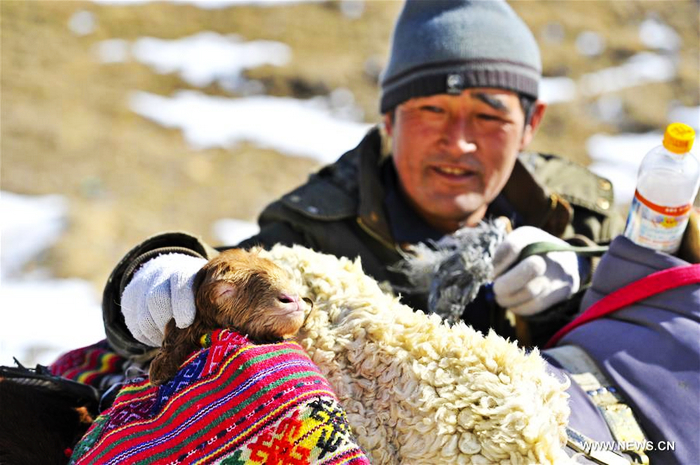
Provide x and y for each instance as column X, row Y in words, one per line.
column 650, row 285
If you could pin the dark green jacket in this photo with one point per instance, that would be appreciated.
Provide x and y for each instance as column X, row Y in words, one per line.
column 340, row 211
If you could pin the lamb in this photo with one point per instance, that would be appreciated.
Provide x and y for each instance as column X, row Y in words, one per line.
column 236, row 290
column 418, row 390
column 230, row 388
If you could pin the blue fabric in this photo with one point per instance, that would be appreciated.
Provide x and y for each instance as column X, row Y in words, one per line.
column 182, row 379
column 649, row 350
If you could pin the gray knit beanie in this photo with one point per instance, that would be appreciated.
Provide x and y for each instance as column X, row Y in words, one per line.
column 446, row 46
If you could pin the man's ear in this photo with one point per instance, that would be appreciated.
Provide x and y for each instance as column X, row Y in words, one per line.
column 389, row 123
column 535, row 120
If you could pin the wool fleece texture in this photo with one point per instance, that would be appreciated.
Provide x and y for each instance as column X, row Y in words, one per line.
column 417, row 390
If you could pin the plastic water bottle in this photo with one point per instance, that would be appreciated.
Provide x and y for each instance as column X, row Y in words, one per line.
column 667, row 184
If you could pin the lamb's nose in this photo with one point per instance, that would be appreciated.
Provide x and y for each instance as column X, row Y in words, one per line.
column 286, row 298
column 289, row 300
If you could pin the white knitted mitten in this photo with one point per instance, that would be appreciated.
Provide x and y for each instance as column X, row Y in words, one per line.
column 160, row 290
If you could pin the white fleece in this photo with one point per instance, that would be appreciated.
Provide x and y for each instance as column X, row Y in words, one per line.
column 420, row 391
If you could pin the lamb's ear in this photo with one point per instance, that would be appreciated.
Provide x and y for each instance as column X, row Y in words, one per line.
column 223, row 291
column 207, row 286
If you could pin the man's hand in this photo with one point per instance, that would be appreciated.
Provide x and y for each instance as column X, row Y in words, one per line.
column 539, row 281
column 160, row 290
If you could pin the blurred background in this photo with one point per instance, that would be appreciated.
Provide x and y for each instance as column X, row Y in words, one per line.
column 122, row 119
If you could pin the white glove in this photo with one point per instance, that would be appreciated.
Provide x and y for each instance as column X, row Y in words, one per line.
column 539, row 281
column 160, row 290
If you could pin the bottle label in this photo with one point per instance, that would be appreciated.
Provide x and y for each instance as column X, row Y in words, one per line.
column 656, row 226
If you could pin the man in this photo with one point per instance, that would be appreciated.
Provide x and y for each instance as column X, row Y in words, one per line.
column 459, row 99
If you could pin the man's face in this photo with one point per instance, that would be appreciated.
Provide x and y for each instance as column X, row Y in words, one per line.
column 454, row 153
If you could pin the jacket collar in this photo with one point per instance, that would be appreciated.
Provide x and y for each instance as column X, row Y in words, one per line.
column 371, row 214
column 535, row 204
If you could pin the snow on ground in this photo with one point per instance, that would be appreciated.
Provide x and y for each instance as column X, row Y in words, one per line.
column 617, row 157
column 642, row 68
column 321, row 128
column 43, row 318
column 557, row 89
column 290, row 126
column 200, row 59
column 352, row 9
column 210, row 4
column 657, row 35
column 232, row 231
column 30, row 225
column 40, row 317
column 112, row 51
column 590, row 43
column 82, row 23
column 689, row 116
column 205, row 57
column 639, row 69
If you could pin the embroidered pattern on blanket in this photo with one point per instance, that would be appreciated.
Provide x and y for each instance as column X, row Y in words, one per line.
column 89, row 365
column 233, row 402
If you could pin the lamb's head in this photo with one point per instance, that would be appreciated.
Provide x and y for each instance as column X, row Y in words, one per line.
column 243, row 291
column 237, row 290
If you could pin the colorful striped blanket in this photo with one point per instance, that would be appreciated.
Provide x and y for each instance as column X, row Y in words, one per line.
column 232, row 402
column 93, row 365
